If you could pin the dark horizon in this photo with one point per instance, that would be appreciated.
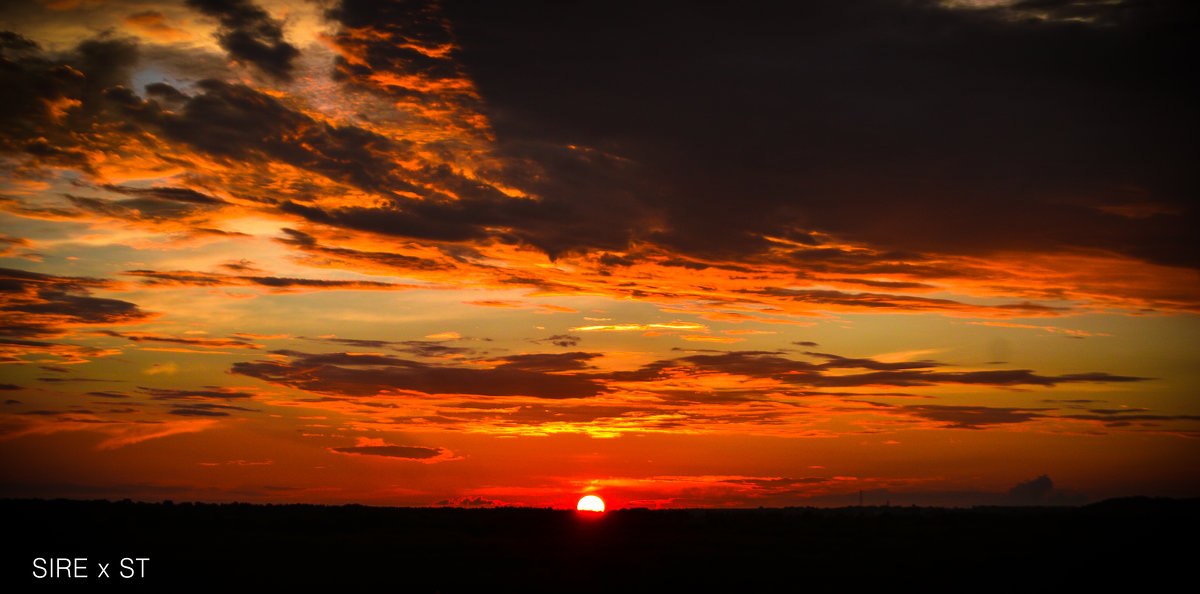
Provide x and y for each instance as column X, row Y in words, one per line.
column 464, row 549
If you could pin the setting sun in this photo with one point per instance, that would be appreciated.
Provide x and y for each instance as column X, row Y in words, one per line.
column 590, row 503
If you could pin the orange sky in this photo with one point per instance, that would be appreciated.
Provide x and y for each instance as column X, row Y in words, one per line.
column 444, row 255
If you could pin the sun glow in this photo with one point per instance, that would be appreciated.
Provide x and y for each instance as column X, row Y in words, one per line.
column 590, row 503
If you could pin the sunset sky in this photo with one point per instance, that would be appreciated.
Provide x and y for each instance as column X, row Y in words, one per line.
column 511, row 253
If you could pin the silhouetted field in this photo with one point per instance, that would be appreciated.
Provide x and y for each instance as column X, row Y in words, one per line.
column 1140, row 544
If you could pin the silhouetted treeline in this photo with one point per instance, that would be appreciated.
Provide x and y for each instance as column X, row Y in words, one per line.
column 1132, row 543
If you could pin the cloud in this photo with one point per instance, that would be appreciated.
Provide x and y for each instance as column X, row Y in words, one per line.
column 843, row 108
column 108, row 394
column 34, row 304
column 208, row 343
column 1009, row 377
column 562, row 340
column 406, row 53
column 12, row 350
column 549, row 362
column 1033, row 491
column 41, row 93
column 119, row 433
column 392, row 451
column 154, row 24
column 1127, row 417
column 538, row 419
column 235, row 121
column 970, row 417
column 752, row 390
column 347, row 374
column 380, row 448
column 205, row 410
column 508, row 158
column 137, row 433
column 276, row 284
column 10, row 246
column 387, row 260
column 166, row 193
column 1041, row 491
column 149, row 209
column 459, row 202
column 883, row 301
column 769, row 364
column 168, row 368
column 209, row 393
column 422, row 348
column 250, row 35
column 470, row 502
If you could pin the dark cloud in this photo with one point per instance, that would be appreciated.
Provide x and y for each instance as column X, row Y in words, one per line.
column 392, row 451
column 15, row 43
column 150, row 204
column 345, row 374
column 165, row 193
column 165, row 93
column 469, row 502
column 883, row 301
column 888, row 284
column 562, row 340
column 431, row 348
column 308, row 243
column 361, row 343
column 959, row 131
column 55, row 413
column 549, row 362
column 540, row 414
column 480, row 213
column 53, row 109
column 1041, row 491
column 970, row 417
column 209, row 393
column 35, row 304
column 571, row 375
column 1006, row 377
column 1032, row 491
column 10, row 245
column 108, row 394
column 771, row 364
column 196, row 342
column 209, row 279
column 1126, row 417
column 404, row 51
column 250, row 35
column 205, row 410
column 839, row 362
column 422, row 348
column 58, row 380
column 243, row 266
column 237, row 122
column 686, row 136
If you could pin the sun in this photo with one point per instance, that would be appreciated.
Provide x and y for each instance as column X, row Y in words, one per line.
column 590, row 503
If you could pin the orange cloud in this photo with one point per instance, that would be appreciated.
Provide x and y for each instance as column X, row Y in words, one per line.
column 154, row 24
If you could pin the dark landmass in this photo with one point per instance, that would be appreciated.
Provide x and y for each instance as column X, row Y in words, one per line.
column 1142, row 544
